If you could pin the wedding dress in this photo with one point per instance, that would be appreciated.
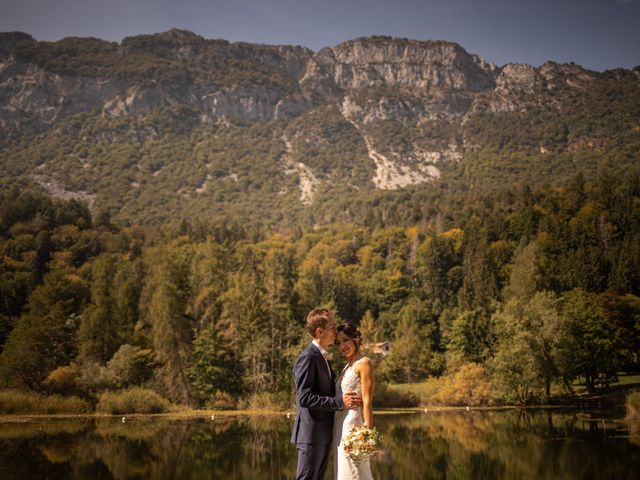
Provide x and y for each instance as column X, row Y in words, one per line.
column 344, row 467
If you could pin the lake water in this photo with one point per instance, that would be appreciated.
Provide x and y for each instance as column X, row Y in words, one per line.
column 448, row 445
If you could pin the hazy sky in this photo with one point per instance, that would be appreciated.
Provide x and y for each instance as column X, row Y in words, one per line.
column 597, row 34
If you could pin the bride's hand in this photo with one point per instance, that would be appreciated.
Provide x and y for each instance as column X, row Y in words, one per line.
column 351, row 400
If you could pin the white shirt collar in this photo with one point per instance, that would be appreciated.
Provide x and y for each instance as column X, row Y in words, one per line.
column 319, row 347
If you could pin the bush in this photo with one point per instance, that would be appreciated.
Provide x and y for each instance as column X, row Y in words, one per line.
column 633, row 405
column 131, row 365
column 63, row 381
column 133, row 400
column 23, row 402
column 390, row 397
column 222, row 401
column 469, row 386
column 94, row 377
column 269, row 401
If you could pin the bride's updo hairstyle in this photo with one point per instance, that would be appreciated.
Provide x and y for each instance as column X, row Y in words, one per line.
column 352, row 332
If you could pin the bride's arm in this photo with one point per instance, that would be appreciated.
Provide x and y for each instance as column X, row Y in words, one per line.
column 366, row 383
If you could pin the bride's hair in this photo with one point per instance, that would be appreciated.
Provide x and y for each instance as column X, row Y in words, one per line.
column 352, row 332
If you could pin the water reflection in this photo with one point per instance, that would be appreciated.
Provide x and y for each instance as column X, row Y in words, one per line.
column 474, row 445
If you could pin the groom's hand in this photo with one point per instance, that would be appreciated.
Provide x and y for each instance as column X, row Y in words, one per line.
column 351, row 400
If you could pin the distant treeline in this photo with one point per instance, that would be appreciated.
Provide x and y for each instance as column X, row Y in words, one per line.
column 529, row 287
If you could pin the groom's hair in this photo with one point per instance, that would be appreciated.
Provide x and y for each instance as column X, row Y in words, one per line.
column 317, row 318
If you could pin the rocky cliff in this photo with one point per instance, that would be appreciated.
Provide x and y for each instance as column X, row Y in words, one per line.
column 244, row 82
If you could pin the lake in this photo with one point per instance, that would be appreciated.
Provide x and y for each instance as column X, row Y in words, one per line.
column 505, row 444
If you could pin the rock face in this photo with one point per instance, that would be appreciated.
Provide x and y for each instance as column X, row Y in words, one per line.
column 35, row 94
column 407, row 63
column 420, row 108
column 437, row 80
column 519, row 78
column 251, row 104
column 32, row 97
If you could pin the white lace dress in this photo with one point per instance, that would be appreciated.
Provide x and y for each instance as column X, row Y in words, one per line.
column 344, row 467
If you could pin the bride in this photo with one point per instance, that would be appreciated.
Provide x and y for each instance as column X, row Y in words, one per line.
column 357, row 376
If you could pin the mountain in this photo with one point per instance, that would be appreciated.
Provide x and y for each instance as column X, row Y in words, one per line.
column 172, row 125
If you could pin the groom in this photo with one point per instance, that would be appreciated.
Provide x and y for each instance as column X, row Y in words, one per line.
column 316, row 399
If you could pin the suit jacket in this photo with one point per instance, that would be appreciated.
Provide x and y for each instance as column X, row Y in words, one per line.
column 316, row 400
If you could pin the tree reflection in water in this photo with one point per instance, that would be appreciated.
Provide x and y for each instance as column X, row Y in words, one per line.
column 474, row 445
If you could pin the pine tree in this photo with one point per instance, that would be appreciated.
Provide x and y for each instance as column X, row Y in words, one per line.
column 524, row 275
column 214, row 367
column 100, row 332
column 164, row 301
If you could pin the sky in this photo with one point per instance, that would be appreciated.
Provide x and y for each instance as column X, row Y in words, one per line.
column 597, row 34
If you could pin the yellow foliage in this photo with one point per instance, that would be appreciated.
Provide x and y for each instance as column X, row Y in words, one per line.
column 73, row 278
column 424, row 246
column 63, row 380
column 469, row 386
column 61, row 259
column 412, row 232
column 393, row 277
column 499, row 245
column 364, row 255
column 12, row 263
column 457, row 235
column 308, row 264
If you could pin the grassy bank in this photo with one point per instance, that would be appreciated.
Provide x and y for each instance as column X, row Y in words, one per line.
column 633, row 406
column 133, row 400
column 18, row 402
column 473, row 389
column 465, row 389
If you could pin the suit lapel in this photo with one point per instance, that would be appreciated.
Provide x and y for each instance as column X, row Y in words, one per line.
column 332, row 378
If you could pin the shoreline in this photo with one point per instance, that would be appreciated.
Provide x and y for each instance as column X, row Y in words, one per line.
column 207, row 414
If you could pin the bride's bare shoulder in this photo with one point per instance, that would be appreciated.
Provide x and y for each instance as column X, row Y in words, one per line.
column 365, row 362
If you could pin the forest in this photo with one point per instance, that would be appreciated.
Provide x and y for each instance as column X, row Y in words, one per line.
column 508, row 297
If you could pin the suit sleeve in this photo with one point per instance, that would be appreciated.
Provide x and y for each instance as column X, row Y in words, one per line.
column 304, row 373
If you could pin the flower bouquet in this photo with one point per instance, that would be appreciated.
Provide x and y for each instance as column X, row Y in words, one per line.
column 361, row 442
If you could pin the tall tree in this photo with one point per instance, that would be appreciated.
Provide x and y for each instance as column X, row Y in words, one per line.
column 480, row 282
column 43, row 337
column 164, row 300
column 530, row 335
column 214, row 368
column 412, row 344
column 591, row 346
column 524, row 275
column 100, row 332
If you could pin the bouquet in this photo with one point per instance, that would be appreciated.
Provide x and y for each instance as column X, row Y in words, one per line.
column 361, row 442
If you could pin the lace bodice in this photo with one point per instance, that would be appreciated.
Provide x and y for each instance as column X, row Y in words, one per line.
column 349, row 381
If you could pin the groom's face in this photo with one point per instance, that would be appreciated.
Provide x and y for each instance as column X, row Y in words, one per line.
column 327, row 335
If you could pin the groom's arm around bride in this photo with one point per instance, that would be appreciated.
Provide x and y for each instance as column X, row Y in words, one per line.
column 316, row 399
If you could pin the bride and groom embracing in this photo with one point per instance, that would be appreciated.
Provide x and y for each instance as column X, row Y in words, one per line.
column 326, row 408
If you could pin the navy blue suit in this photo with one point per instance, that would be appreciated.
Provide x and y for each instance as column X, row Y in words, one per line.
column 316, row 403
